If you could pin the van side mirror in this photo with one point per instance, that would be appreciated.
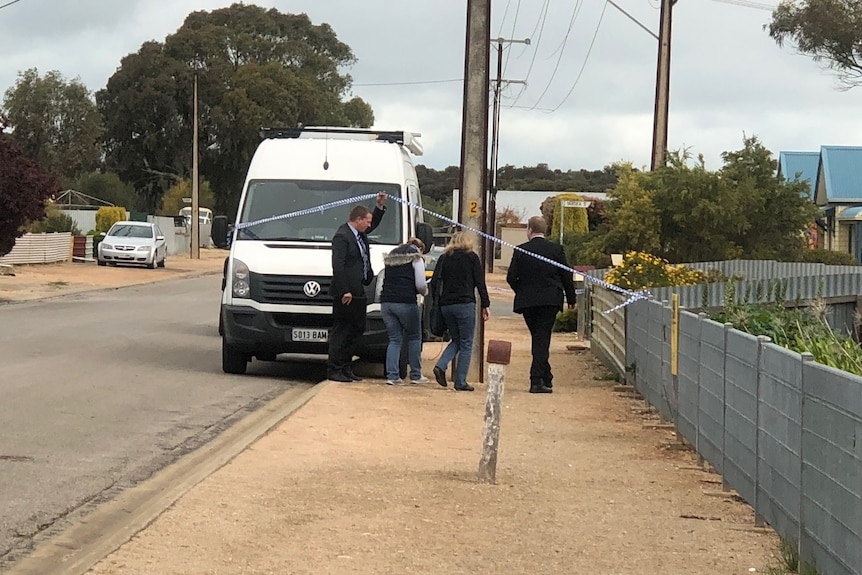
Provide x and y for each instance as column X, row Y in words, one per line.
column 425, row 233
column 160, row 238
column 219, row 232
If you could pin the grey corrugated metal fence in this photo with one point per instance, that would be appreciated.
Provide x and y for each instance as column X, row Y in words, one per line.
column 784, row 431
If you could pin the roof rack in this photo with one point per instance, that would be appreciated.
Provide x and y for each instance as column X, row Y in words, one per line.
column 407, row 139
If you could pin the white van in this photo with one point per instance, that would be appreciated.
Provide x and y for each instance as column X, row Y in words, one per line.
column 276, row 296
column 205, row 215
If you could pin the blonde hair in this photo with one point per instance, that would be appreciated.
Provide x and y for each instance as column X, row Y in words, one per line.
column 460, row 241
column 418, row 243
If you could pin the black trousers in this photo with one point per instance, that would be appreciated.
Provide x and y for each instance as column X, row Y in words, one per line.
column 348, row 325
column 540, row 322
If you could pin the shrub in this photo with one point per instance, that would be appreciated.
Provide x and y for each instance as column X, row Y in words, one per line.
column 567, row 320
column 55, row 221
column 108, row 216
column 820, row 256
column 640, row 270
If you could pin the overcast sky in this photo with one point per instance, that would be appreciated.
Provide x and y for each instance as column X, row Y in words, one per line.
column 728, row 77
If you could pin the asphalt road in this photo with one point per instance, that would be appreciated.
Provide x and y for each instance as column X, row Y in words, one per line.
column 100, row 390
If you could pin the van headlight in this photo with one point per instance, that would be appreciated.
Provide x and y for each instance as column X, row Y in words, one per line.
column 239, row 281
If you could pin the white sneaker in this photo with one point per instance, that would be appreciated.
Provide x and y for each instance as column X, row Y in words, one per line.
column 398, row 381
column 421, row 379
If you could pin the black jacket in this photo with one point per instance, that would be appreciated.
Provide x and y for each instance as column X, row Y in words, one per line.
column 460, row 272
column 537, row 283
column 347, row 260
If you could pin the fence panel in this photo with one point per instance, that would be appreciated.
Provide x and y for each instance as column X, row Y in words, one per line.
column 740, row 413
column 831, row 532
column 608, row 332
column 779, row 439
column 711, row 396
column 689, row 360
column 40, row 249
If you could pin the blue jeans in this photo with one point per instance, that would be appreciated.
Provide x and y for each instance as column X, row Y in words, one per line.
column 460, row 320
column 402, row 321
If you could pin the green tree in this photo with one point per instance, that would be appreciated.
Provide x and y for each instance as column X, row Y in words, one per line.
column 24, row 188
column 108, row 187
column 55, row 122
column 255, row 67
column 685, row 213
column 778, row 211
column 173, row 201
column 827, row 30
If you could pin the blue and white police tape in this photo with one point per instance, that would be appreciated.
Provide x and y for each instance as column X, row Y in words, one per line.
column 632, row 296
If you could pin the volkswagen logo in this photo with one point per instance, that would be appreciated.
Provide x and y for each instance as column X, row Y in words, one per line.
column 311, row 288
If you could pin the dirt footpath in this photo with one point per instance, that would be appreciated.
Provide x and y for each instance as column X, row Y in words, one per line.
column 49, row 280
column 373, row 479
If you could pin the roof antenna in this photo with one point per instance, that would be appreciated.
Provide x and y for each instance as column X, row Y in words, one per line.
column 326, row 150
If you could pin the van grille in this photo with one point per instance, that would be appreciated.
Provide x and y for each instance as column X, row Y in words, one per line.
column 275, row 289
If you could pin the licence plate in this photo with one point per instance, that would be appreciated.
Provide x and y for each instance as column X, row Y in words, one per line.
column 320, row 335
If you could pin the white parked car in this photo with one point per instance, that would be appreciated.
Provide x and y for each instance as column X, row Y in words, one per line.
column 133, row 243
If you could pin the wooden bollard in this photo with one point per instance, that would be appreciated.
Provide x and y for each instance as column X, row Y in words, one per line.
column 499, row 355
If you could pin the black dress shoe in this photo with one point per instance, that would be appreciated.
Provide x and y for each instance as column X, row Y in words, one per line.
column 467, row 387
column 340, row 377
column 440, row 376
column 349, row 373
column 540, row 389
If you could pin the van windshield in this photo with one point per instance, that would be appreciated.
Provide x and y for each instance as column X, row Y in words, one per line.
column 268, row 198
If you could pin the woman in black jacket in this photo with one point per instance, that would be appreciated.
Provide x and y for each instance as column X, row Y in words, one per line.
column 458, row 275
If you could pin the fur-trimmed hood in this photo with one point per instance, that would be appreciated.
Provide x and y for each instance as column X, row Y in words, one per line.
column 400, row 257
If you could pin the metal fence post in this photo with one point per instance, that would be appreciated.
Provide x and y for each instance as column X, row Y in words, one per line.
column 700, row 319
column 762, row 340
column 725, row 486
column 806, row 358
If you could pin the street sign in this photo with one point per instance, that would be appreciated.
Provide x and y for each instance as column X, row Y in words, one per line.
column 575, row 204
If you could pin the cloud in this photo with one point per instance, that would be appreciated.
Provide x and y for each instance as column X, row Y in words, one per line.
column 728, row 77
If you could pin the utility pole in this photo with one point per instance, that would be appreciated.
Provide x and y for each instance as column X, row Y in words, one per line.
column 196, row 224
column 473, row 177
column 662, row 87
column 491, row 220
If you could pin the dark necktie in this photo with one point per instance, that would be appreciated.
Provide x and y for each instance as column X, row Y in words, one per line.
column 364, row 256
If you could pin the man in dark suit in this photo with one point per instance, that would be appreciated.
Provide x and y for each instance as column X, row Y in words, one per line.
column 539, row 287
column 351, row 272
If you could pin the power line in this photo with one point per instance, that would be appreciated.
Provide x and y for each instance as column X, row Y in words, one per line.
column 9, row 4
column 503, row 20
column 415, row 83
column 512, row 35
column 748, row 4
column 562, row 50
column 540, row 26
column 586, row 58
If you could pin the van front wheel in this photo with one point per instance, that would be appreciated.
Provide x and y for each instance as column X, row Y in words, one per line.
column 232, row 360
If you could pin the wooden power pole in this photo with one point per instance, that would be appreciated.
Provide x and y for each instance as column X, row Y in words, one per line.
column 662, row 87
column 196, row 225
column 473, row 178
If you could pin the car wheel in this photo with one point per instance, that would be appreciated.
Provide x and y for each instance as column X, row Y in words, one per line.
column 101, row 262
column 220, row 325
column 163, row 262
column 232, row 360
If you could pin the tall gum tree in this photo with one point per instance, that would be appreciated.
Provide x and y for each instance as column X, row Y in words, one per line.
column 255, row 66
column 830, row 31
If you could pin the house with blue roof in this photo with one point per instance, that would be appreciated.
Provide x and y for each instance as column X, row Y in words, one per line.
column 800, row 166
column 838, row 192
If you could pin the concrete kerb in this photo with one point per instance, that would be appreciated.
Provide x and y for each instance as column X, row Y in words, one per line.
column 76, row 550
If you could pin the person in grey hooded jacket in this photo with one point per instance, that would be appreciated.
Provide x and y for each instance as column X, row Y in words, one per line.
column 403, row 279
